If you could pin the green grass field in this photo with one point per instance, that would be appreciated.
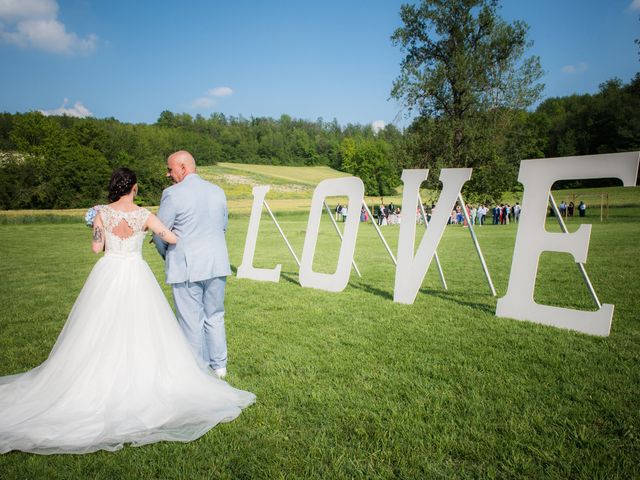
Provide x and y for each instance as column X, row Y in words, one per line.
column 352, row 385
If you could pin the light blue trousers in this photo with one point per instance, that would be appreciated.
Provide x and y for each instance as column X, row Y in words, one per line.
column 200, row 312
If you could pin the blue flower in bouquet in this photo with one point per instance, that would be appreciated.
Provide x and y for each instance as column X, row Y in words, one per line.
column 91, row 214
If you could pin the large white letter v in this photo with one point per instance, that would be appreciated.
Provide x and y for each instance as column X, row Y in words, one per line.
column 411, row 270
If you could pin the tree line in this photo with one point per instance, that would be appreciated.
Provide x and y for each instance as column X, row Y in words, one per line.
column 604, row 122
column 65, row 162
column 465, row 78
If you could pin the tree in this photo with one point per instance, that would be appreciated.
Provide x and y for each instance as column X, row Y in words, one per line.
column 605, row 122
column 464, row 69
column 370, row 159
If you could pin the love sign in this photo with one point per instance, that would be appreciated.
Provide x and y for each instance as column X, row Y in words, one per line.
column 537, row 177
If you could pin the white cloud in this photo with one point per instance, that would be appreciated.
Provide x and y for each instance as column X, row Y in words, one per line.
column 203, row 102
column 78, row 110
column 220, row 92
column 377, row 125
column 211, row 98
column 634, row 5
column 577, row 68
column 34, row 24
column 13, row 10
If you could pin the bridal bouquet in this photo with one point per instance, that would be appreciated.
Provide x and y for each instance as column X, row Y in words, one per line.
column 91, row 214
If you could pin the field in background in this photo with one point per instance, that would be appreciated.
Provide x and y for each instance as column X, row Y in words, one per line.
column 292, row 189
column 237, row 179
column 307, row 175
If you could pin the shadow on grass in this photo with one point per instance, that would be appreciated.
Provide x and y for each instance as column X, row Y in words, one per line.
column 371, row 289
column 427, row 291
column 290, row 277
column 455, row 297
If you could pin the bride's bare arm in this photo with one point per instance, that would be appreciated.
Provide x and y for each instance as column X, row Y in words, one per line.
column 156, row 226
column 97, row 243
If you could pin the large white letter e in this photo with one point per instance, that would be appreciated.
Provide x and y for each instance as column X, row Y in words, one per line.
column 532, row 239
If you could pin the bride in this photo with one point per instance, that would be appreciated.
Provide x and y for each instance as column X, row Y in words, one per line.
column 121, row 370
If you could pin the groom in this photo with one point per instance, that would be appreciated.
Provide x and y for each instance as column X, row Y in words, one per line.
column 197, row 266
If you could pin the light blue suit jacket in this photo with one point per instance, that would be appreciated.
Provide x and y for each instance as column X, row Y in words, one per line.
column 196, row 211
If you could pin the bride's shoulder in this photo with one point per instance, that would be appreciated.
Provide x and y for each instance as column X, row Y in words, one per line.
column 144, row 214
column 141, row 212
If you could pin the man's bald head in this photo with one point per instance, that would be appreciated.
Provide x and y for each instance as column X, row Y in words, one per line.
column 179, row 165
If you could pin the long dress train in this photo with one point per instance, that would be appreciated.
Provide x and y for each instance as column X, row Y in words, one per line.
column 120, row 371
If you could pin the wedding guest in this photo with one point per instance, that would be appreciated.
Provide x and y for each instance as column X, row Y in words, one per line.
column 464, row 219
column 516, row 212
column 458, row 214
column 480, row 215
column 582, row 209
column 381, row 213
column 391, row 218
column 563, row 209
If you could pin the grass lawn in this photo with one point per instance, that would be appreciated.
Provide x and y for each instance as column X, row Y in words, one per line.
column 352, row 385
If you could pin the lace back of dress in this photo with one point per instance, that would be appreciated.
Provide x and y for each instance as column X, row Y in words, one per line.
column 122, row 228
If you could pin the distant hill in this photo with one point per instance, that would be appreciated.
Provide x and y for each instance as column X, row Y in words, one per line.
column 291, row 187
column 238, row 179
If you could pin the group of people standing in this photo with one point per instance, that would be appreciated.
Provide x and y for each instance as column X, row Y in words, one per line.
column 384, row 214
column 389, row 214
column 341, row 213
column 504, row 213
column 501, row 214
column 567, row 210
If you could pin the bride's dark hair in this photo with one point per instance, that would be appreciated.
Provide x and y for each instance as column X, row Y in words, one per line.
column 121, row 183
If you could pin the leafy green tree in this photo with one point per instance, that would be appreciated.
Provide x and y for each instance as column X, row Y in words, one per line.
column 32, row 131
column 464, row 69
column 6, row 125
column 605, row 122
column 370, row 159
column 77, row 177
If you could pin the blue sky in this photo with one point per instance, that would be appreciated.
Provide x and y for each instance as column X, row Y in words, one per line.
column 308, row 59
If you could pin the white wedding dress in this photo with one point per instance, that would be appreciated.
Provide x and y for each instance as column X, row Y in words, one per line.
column 121, row 370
